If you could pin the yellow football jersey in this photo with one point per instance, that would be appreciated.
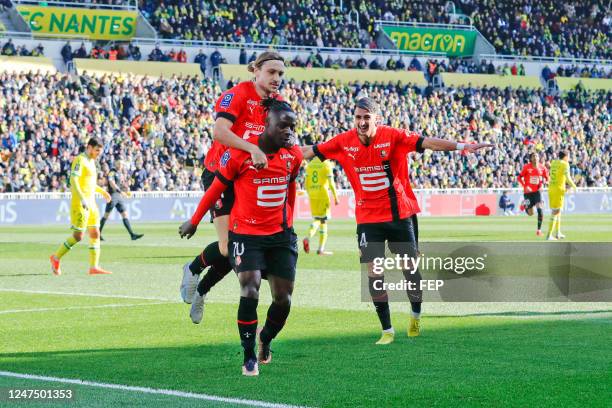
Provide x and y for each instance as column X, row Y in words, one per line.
column 319, row 179
column 84, row 169
column 560, row 175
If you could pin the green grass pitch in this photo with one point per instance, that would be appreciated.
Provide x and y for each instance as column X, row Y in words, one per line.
column 131, row 329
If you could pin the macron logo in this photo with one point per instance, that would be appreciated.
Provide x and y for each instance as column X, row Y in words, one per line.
column 287, row 156
column 381, row 145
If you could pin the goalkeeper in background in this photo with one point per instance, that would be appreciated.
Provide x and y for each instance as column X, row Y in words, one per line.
column 83, row 210
column 318, row 181
column 559, row 177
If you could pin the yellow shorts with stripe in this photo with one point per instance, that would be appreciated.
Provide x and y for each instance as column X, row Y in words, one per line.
column 81, row 219
column 319, row 207
column 555, row 198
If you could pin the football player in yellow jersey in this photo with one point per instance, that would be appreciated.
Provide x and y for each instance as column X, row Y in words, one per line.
column 319, row 180
column 559, row 177
column 83, row 210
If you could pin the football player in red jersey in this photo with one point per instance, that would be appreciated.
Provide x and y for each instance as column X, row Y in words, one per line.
column 374, row 160
column 261, row 238
column 239, row 117
column 532, row 179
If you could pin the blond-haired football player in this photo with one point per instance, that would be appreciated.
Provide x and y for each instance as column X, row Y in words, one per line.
column 84, row 213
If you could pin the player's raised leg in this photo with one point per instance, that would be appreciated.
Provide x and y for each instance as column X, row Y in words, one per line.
column 63, row 249
column 314, row 226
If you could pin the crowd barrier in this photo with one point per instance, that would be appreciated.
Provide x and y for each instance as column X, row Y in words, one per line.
column 54, row 208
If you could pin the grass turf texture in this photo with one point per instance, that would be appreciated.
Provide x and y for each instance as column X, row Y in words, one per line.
column 558, row 354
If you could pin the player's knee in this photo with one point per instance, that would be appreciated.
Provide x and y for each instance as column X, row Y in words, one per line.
column 282, row 299
column 223, row 248
column 124, row 215
column 249, row 290
column 78, row 235
column 94, row 234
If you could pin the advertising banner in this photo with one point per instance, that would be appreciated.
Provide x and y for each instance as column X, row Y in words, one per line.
column 169, row 207
column 454, row 43
column 95, row 24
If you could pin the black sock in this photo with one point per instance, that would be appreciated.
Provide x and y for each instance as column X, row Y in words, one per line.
column 540, row 218
column 247, row 325
column 380, row 300
column 384, row 314
column 102, row 222
column 214, row 275
column 416, row 307
column 127, row 225
column 277, row 315
column 414, row 295
column 208, row 257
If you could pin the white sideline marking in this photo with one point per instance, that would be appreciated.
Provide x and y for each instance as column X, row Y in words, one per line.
column 46, row 309
column 49, row 292
column 147, row 390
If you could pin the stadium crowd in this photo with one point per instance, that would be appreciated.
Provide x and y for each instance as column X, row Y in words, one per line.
column 528, row 27
column 544, row 27
column 161, row 128
column 308, row 22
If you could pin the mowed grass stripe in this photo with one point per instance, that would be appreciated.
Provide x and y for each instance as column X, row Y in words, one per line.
column 323, row 358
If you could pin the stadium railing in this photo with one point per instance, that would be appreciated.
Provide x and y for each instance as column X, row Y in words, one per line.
column 332, row 74
column 479, row 80
column 138, row 68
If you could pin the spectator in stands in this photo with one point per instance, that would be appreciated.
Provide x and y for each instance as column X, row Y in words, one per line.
column 81, row 52
column 156, row 54
column 200, row 59
column 506, row 204
column 215, row 58
column 242, row 59
column 67, row 52
column 9, row 48
column 134, row 53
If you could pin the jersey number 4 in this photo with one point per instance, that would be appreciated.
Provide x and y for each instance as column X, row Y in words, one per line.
column 374, row 181
column 271, row 196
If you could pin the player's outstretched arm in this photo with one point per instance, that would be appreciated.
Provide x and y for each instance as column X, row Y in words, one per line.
column 189, row 227
column 434, row 143
column 222, row 132
column 307, row 152
column 103, row 193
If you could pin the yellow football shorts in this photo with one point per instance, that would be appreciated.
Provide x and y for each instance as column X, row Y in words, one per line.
column 320, row 208
column 555, row 198
column 80, row 218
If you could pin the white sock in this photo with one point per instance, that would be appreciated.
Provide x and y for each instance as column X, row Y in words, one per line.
column 416, row 315
column 391, row 330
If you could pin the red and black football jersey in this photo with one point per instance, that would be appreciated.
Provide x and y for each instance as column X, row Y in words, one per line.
column 532, row 178
column 242, row 106
column 378, row 172
column 261, row 206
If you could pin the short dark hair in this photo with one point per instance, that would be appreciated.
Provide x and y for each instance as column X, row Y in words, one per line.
column 532, row 155
column 274, row 105
column 563, row 154
column 95, row 142
column 368, row 104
